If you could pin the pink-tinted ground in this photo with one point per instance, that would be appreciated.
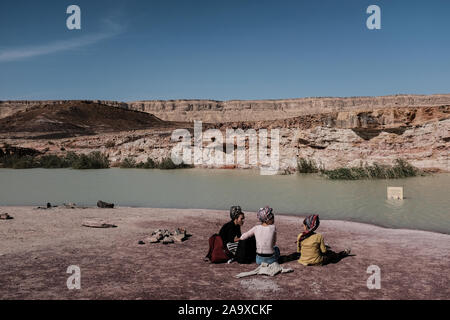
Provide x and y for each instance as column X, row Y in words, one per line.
column 37, row 246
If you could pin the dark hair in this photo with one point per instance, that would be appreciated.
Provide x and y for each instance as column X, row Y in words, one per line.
column 235, row 212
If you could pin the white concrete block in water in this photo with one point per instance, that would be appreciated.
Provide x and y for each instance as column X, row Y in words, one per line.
column 395, row 193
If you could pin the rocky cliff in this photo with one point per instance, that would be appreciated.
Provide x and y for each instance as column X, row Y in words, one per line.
column 72, row 118
column 335, row 132
column 9, row 107
column 248, row 110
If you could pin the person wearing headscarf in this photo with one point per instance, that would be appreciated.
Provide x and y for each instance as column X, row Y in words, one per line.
column 231, row 231
column 311, row 245
column 266, row 237
column 311, row 223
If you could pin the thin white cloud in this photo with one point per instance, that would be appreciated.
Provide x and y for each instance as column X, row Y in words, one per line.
column 13, row 54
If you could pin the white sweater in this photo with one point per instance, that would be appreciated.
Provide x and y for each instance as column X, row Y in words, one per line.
column 266, row 237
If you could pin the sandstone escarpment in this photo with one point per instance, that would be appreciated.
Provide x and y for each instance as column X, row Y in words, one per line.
column 420, row 135
column 10, row 107
column 72, row 118
column 335, row 132
column 258, row 110
column 248, row 110
column 366, row 120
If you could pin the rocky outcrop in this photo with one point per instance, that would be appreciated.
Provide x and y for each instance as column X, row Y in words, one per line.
column 7, row 150
column 247, row 110
column 418, row 134
column 258, row 110
column 103, row 204
column 72, row 118
column 9, row 107
column 357, row 119
column 97, row 223
column 425, row 146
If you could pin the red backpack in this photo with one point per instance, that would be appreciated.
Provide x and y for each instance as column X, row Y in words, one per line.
column 218, row 253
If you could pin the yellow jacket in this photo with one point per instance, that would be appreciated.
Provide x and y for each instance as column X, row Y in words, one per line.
column 311, row 249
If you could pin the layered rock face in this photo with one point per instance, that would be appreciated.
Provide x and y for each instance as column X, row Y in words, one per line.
column 251, row 110
column 424, row 146
column 420, row 135
column 77, row 118
column 8, row 108
column 248, row 110
column 335, row 132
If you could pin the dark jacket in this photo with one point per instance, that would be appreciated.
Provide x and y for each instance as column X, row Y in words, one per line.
column 229, row 231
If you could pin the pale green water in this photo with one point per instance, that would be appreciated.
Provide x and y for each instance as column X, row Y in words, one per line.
column 426, row 207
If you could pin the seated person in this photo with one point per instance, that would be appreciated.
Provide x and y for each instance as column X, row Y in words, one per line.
column 231, row 231
column 266, row 237
column 312, row 247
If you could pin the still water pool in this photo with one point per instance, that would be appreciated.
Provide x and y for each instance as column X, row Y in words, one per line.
column 426, row 205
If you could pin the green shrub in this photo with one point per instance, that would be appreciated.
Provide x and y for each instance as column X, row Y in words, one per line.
column 400, row 169
column 94, row 160
column 18, row 162
column 307, row 166
column 403, row 169
column 340, row 174
column 149, row 164
column 24, row 162
column 167, row 163
column 128, row 163
column 71, row 158
column 53, row 161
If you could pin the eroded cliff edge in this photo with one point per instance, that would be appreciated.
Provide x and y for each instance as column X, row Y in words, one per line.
column 251, row 110
column 247, row 110
column 335, row 133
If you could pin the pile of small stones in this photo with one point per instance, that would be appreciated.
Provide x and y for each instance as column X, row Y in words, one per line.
column 166, row 237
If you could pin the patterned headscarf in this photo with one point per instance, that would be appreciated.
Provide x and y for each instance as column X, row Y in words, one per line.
column 311, row 222
column 235, row 211
column 265, row 214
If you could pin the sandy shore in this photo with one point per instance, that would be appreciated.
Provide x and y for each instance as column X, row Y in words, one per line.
column 37, row 246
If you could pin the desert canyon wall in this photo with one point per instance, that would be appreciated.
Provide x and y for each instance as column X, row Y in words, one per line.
column 248, row 110
column 335, row 132
column 257, row 110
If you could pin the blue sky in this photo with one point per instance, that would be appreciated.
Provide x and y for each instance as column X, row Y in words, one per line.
column 246, row 49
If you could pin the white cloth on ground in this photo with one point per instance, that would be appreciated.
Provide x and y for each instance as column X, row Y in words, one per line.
column 266, row 269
